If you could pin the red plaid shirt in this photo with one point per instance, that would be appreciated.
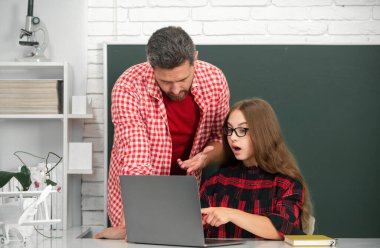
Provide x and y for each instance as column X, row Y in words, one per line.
column 142, row 143
column 254, row 191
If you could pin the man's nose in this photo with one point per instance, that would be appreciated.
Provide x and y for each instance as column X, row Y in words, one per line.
column 175, row 89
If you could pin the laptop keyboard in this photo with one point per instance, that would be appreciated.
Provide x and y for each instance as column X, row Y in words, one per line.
column 219, row 241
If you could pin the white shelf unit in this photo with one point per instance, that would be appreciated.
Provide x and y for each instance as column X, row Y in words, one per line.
column 31, row 116
column 41, row 133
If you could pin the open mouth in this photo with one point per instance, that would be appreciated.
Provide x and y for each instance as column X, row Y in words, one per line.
column 236, row 148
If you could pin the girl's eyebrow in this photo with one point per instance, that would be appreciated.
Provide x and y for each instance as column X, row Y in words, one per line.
column 240, row 124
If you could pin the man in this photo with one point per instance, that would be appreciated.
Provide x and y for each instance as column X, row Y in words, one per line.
column 168, row 114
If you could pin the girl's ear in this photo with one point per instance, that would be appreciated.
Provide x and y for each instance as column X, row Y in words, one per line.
column 196, row 56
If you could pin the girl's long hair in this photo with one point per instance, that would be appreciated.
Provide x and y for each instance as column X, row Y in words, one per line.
column 270, row 149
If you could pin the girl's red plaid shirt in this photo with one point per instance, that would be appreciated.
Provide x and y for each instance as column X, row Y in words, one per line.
column 254, row 191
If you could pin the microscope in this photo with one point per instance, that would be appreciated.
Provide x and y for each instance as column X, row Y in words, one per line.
column 33, row 25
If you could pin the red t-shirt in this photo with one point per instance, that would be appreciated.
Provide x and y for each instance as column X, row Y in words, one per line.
column 183, row 118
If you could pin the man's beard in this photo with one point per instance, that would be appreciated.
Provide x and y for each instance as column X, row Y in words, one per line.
column 182, row 94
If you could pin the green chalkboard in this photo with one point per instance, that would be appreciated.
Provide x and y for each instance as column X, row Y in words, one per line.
column 327, row 101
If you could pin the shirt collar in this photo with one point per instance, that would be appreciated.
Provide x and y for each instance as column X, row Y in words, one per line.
column 152, row 87
column 155, row 91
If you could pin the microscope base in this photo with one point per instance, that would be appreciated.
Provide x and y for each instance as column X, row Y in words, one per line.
column 33, row 59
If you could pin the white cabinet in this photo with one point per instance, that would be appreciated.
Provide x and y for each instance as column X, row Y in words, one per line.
column 42, row 133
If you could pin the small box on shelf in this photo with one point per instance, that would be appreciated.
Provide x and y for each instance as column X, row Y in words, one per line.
column 80, row 158
column 80, row 105
column 80, row 108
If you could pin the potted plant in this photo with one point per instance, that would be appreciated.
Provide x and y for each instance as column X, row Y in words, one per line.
column 25, row 177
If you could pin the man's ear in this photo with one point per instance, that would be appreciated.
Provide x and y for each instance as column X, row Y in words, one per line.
column 196, row 56
column 149, row 63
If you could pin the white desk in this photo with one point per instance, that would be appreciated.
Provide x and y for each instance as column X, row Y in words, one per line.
column 70, row 240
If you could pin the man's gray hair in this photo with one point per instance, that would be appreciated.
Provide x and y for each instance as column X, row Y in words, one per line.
column 169, row 47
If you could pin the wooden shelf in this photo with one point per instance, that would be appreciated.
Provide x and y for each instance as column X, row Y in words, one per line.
column 79, row 171
column 77, row 116
column 31, row 116
column 22, row 193
column 31, row 64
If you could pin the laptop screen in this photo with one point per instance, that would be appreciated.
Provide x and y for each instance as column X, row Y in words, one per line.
column 162, row 210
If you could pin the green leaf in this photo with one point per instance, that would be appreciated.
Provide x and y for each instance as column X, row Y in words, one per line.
column 50, row 182
column 25, row 170
column 5, row 177
column 24, row 177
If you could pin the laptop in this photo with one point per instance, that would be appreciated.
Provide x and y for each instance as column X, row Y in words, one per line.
column 165, row 210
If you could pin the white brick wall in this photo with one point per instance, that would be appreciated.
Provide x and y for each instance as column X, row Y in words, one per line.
column 192, row 27
column 221, row 14
column 210, row 22
column 239, row 3
column 92, row 188
column 164, row 14
column 233, row 28
column 284, row 13
column 177, row 3
column 303, row 3
column 341, row 13
column 376, row 13
column 297, row 28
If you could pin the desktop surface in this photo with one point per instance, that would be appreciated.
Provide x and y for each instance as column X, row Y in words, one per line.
column 70, row 240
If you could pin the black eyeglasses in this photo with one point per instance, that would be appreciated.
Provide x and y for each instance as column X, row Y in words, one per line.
column 239, row 131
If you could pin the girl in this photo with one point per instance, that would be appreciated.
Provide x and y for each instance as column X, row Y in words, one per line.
column 263, row 194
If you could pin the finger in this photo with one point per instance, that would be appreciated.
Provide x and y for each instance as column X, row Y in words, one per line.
column 179, row 161
column 185, row 167
column 99, row 235
column 204, row 219
column 196, row 165
column 184, row 164
column 205, row 210
column 214, row 220
column 209, row 218
column 191, row 169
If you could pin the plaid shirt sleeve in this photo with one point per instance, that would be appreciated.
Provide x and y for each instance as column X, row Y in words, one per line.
column 223, row 108
column 131, row 142
column 286, row 216
column 130, row 153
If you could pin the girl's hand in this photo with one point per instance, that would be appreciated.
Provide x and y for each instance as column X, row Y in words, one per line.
column 216, row 216
column 197, row 162
column 112, row 233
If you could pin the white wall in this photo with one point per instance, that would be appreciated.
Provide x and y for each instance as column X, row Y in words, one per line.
column 207, row 21
column 66, row 24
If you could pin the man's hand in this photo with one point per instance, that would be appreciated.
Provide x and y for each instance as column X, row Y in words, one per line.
column 197, row 162
column 216, row 216
column 112, row 233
